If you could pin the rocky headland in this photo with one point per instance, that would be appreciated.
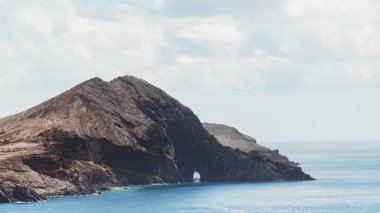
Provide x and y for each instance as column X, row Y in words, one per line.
column 100, row 134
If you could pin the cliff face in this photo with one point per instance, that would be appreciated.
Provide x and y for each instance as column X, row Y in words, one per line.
column 231, row 137
column 100, row 134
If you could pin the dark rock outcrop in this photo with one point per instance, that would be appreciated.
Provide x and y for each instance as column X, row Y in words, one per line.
column 231, row 137
column 100, row 134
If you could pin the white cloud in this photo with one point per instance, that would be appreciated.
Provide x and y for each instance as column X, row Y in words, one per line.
column 205, row 73
column 158, row 4
column 340, row 38
column 6, row 50
column 343, row 26
column 71, row 48
column 293, row 45
column 36, row 18
column 11, row 76
column 212, row 32
column 362, row 70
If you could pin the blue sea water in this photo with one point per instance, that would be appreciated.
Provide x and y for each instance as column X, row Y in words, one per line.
column 347, row 173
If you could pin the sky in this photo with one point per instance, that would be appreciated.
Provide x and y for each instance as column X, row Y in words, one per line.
column 278, row 70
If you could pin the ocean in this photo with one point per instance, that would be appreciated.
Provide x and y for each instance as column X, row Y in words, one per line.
column 347, row 173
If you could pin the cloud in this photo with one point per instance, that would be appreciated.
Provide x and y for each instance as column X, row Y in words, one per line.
column 58, row 45
column 211, row 32
column 253, row 45
column 6, row 51
column 347, row 28
column 194, row 72
column 158, row 4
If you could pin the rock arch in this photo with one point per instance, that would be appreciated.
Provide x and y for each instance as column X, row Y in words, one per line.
column 196, row 176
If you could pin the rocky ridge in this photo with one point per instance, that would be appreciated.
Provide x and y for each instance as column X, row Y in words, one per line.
column 100, row 134
column 231, row 137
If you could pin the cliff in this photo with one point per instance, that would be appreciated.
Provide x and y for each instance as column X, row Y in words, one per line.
column 231, row 137
column 101, row 134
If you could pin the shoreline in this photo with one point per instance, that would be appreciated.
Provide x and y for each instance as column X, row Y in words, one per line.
column 146, row 186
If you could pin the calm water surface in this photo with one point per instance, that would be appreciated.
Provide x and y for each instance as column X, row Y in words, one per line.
column 348, row 176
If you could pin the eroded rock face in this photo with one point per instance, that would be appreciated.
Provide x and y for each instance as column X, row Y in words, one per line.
column 100, row 134
column 231, row 137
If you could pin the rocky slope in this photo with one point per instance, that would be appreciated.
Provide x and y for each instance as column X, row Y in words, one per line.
column 231, row 137
column 101, row 134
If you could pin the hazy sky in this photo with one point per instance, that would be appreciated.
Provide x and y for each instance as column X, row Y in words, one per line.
column 304, row 70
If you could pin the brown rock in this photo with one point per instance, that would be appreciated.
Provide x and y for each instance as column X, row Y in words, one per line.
column 100, row 134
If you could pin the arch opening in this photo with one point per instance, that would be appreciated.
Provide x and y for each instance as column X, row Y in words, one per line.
column 196, row 177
